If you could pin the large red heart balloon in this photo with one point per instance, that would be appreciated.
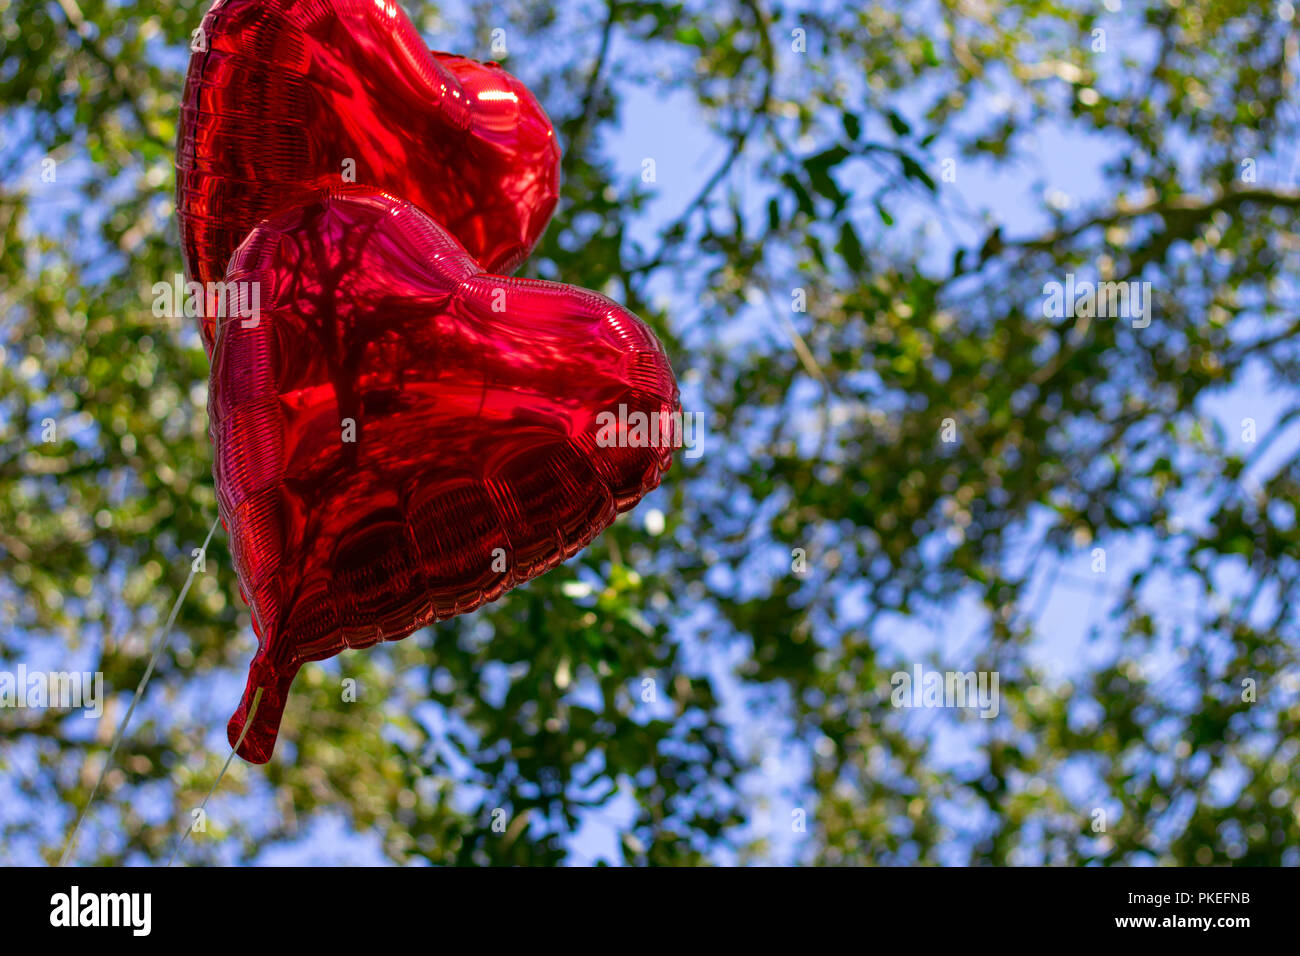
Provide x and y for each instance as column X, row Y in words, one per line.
column 288, row 98
column 401, row 437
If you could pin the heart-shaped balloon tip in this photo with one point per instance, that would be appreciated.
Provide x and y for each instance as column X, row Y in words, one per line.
column 401, row 437
column 264, row 698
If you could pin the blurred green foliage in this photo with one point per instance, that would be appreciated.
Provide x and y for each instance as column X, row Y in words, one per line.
column 824, row 435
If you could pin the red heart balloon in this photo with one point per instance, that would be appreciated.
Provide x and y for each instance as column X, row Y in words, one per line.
column 401, row 437
column 288, row 98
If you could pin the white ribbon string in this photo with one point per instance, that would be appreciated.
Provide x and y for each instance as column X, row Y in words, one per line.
column 139, row 692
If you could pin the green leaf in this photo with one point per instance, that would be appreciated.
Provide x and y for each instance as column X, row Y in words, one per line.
column 803, row 198
column 913, row 170
column 849, row 248
column 852, row 125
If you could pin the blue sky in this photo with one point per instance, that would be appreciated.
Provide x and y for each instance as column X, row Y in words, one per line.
column 671, row 130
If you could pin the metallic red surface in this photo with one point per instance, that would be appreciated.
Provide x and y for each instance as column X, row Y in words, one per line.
column 480, row 456
column 287, row 91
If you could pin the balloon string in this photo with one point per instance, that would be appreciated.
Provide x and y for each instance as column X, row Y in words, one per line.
column 248, row 722
column 139, row 692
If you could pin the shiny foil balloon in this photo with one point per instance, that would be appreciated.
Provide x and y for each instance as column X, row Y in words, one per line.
column 400, row 437
column 287, row 98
